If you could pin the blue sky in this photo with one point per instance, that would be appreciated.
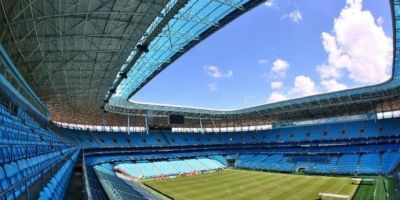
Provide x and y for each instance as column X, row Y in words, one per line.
column 281, row 50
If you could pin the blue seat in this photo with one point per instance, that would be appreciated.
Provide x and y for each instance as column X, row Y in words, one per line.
column 6, row 151
column 3, row 136
column 12, row 173
column 25, row 170
column 4, row 183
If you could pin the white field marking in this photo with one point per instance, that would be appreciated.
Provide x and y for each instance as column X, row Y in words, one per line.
column 194, row 182
column 171, row 192
column 259, row 187
column 286, row 189
column 317, row 182
column 228, row 191
column 340, row 188
column 212, row 195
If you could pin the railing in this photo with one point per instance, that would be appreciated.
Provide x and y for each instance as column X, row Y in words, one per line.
column 37, row 151
column 87, row 192
column 9, row 75
column 111, row 150
column 40, row 172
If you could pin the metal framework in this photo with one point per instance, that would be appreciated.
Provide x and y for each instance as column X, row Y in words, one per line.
column 379, row 98
column 71, row 50
column 184, row 24
column 81, row 55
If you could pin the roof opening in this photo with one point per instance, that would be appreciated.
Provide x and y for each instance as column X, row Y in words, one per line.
column 281, row 50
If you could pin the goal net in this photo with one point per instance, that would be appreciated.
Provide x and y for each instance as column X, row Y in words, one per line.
column 323, row 196
column 364, row 181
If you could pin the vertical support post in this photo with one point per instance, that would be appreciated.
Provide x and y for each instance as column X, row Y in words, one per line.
column 129, row 127
column 146, row 125
column 219, row 127
column 373, row 110
column 103, row 120
column 201, row 127
column 214, row 128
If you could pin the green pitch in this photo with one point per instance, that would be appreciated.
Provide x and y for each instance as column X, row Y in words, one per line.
column 242, row 184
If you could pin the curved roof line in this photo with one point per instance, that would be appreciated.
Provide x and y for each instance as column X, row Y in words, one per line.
column 386, row 90
column 181, row 25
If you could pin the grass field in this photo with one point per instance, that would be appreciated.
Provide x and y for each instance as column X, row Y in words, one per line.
column 241, row 184
column 377, row 191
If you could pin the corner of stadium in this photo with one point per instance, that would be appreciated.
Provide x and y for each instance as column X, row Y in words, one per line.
column 69, row 129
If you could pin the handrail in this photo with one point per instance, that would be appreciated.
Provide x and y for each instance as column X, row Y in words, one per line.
column 336, row 153
column 38, row 153
column 85, row 177
column 11, row 74
column 39, row 171
column 312, row 143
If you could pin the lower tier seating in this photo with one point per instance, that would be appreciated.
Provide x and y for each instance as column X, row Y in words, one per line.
column 350, row 163
column 168, row 168
column 117, row 188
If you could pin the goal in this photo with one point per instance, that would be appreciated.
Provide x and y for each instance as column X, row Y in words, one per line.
column 332, row 195
column 365, row 181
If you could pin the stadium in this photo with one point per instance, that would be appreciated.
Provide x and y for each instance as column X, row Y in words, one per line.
column 69, row 128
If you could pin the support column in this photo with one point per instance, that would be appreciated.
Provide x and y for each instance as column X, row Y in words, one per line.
column 146, row 125
column 129, row 127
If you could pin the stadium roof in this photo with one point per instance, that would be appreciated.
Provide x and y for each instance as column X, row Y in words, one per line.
column 79, row 55
column 371, row 99
column 75, row 53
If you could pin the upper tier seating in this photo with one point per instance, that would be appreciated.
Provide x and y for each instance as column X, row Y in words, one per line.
column 320, row 132
column 17, row 176
column 21, row 137
column 57, row 186
column 27, row 152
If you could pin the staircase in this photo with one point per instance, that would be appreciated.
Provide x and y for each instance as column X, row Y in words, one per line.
column 203, row 164
column 189, row 165
column 358, row 164
column 173, row 166
column 396, row 170
column 138, row 169
column 165, row 138
column 157, row 169
column 95, row 138
column 380, row 163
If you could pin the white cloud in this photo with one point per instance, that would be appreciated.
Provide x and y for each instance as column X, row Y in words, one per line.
column 332, row 85
column 276, row 84
column 357, row 49
column 269, row 3
column 213, row 87
column 280, row 66
column 326, row 72
column 303, row 86
column 277, row 70
column 357, row 46
column 296, row 16
column 276, row 97
column 379, row 21
column 215, row 72
column 263, row 61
